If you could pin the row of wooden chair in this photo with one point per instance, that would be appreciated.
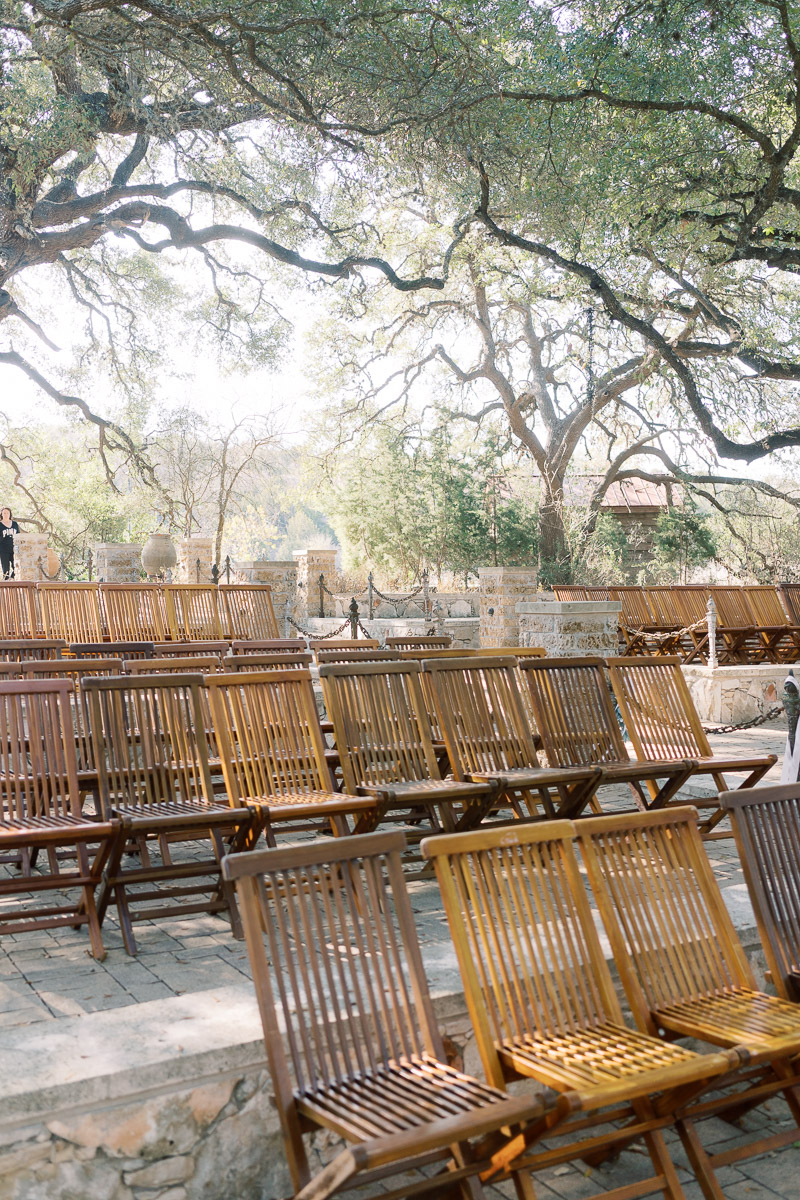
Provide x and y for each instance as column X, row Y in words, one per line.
column 353, row 1048
column 757, row 623
column 90, row 612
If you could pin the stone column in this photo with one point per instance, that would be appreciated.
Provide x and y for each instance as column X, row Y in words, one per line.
column 28, row 549
column 570, row 628
column 189, row 550
column 310, row 565
column 501, row 589
column 118, row 562
column 282, row 578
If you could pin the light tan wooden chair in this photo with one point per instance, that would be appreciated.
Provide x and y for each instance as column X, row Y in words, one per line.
column 248, row 611
column 135, row 612
column 350, row 1035
column 542, row 1002
column 71, row 611
column 683, row 968
column 193, row 612
column 18, row 609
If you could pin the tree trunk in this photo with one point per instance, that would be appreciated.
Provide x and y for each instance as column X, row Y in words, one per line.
column 554, row 557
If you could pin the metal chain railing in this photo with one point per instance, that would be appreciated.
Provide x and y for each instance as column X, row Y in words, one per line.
column 769, row 715
column 317, row 637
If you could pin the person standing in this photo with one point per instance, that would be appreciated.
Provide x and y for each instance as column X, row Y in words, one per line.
column 8, row 527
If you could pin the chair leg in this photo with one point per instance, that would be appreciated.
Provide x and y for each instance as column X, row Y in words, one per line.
column 699, row 1161
column 659, row 1154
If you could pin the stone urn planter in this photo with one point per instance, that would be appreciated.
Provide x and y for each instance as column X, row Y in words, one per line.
column 158, row 554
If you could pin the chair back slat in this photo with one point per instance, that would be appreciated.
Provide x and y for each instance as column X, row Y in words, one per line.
column 150, row 740
column 38, row 764
column 657, row 708
column 573, row 711
column 691, row 603
column 661, row 600
column 635, row 609
column 125, row 650
column 193, row 611
column 481, row 712
column 248, row 610
column 190, row 649
column 765, row 604
column 75, row 672
column 356, row 655
column 265, row 662
column 733, row 609
column 662, row 908
column 268, row 646
column 33, row 648
column 379, row 716
column 18, row 611
column 135, row 611
column 71, row 611
column 766, row 825
column 419, row 642
column 570, row 591
column 337, row 958
column 269, row 736
column 204, row 664
column 790, row 596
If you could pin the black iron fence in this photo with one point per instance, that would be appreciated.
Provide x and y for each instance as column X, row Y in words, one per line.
column 371, row 591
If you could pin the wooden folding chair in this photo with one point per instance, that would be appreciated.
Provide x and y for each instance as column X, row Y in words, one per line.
column 18, row 616
column 203, row 664
column 353, row 655
column 216, row 648
column 135, row 611
column 419, row 642
column 383, row 735
column 151, row 751
column 641, row 629
column 41, row 814
column 766, row 825
column 684, row 971
column 487, row 735
column 691, row 605
column 340, row 982
column 790, row 597
column 332, row 644
column 742, row 640
column 662, row 722
column 248, row 610
column 514, row 651
column 570, row 591
column 782, row 636
column 193, row 611
column 123, row 650
column 578, row 727
column 269, row 646
column 265, row 662
column 71, row 611
column 542, row 1002
column 26, row 649
column 273, row 755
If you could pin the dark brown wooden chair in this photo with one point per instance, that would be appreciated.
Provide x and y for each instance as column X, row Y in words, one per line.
column 765, row 605
column 268, row 646
column 662, row 722
column 41, row 815
column 247, row 610
column 351, row 1039
column 135, row 611
column 203, row 664
column 419, row 642
column 766, row 825
column 190, row 649
column 543, row 1004
column 123, row 650
column 273, row 756
column 578, row 727
column 355, row 655
column 265, row 662
column 691, row 608
column 383, row 735
column 742, row 639
column 684, row 971
column 329, row 645
column 481, row 713
column 151, row 752
column 27, row 649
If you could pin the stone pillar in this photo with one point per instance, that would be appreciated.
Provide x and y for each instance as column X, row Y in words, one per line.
column 310, row 565
column 282, row 578
column 118, row 562
column 570, row 628
column 501, row 590
column 28, row 549
column 189, row 550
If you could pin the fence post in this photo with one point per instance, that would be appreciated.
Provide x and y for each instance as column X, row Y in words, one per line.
column 426, row 596
column 197, row 569
column 711, row 618
column 227, row 568
column 215, row 574
column 321, row 595
column 353, row 616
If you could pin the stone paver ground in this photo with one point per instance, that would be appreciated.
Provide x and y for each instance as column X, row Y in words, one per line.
column 48, row 975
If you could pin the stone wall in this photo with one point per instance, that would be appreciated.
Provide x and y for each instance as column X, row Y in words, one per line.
column 730, row 695
column 189, row 551
column 570, row 628
column 117, row 562
column 28, row 549
column 501, row 590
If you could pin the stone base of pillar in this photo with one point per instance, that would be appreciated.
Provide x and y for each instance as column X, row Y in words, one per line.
column 570, row 628
column 282, row 579
column 190, row 551
column 118, row 562
column 28, row 549
column 501, row 590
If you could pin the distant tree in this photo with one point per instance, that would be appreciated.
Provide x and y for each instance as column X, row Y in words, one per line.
column 683, row 540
